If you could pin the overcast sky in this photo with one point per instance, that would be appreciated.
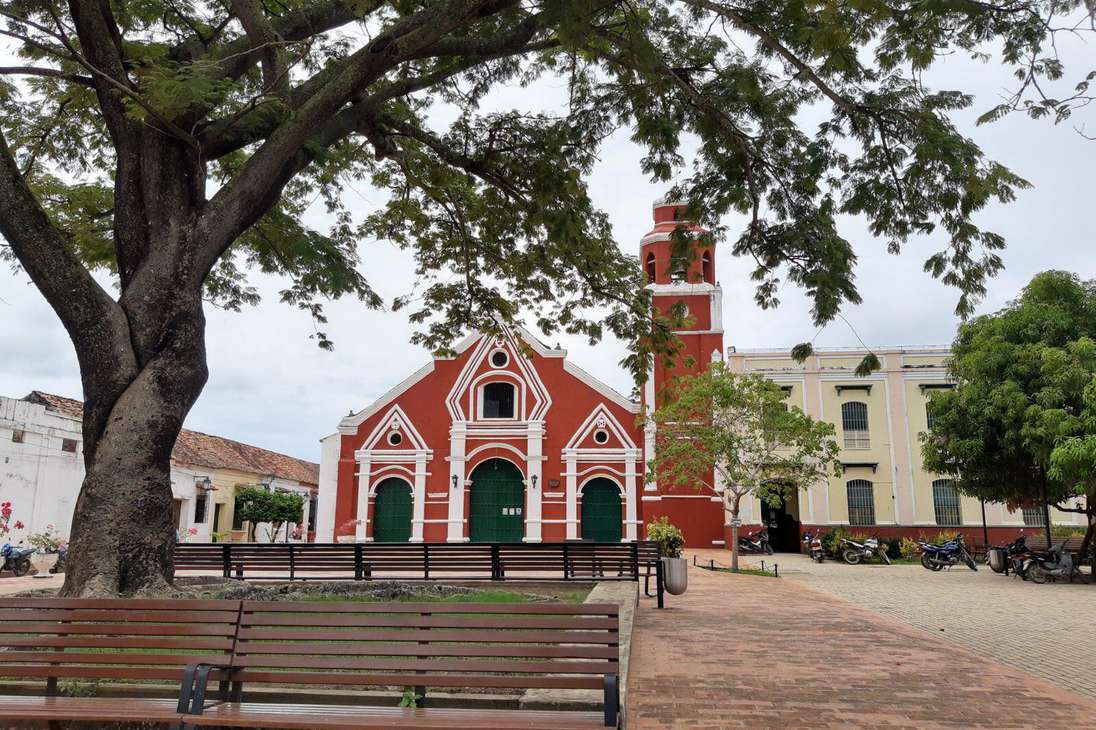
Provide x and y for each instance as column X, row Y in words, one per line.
column 271, row 386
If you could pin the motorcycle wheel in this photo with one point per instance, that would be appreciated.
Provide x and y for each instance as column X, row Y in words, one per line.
column 1038, row 574
column 818, row 558
column 852, row 557
column 928, row 564
column 970, row 562
column 22, row 567
column 885, row 557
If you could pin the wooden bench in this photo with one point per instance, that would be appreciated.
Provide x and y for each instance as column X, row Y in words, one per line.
column 419, row 645
column 214, row 649
column 1071, row 545
column 56, row 639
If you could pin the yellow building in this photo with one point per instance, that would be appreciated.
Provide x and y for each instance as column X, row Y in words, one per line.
column 884, row 487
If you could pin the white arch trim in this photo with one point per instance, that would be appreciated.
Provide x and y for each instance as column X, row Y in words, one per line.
column 600, row 468
column 497, row 445
column 382, row 472
column 613, row 479
column 382, row 480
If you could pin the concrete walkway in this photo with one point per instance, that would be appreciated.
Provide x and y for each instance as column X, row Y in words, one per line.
column 748, row 651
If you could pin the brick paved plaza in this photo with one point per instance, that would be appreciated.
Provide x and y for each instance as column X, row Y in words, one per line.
column 1040, row 629
column 747, row 651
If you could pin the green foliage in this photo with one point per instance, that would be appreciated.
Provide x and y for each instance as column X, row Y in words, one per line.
column 1022, row 376
column 257, row 505
column 491, row 200
column 669, row 538
column 1066, row 531
column 739, row 429
column 410, row 698
column 908, row 549
column 75, row 688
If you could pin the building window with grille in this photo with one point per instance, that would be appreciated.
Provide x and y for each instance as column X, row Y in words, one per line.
column 313, row 508
column 861, row 502
column 498, row 400
column 945, row 500
column 854, row 424
column 201, row 502
column 1034, row 516
column 930, row 418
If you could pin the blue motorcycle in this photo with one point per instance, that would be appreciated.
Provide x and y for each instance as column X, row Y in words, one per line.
column 16, row 559
column 953, row 552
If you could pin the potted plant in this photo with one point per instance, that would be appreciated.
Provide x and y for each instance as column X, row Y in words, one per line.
column 670, row 541
column 47, row 546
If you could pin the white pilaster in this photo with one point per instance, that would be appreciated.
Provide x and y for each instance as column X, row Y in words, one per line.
column 534, row 481
column 418, row 501
column 571, row 467
column 631, row 526
column 457, row 435
column 362, row 511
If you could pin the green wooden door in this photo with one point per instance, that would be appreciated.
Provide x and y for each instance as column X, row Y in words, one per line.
column 601, row 511
column 392, row 511
column 498, row 503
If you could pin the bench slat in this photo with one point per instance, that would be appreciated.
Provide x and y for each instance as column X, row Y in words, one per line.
column 410, row 664
column 382, row 679
column 372, row 648
column 341, row 717
column 455, row 635
column 442, row 621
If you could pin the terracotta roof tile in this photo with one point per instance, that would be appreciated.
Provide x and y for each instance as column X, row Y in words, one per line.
column 214, row 452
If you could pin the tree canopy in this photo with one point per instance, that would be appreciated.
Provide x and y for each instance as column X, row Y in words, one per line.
column 285, row 103
column 272, row 507
column 735, row 434
column 1022, row 376
column 171, row 145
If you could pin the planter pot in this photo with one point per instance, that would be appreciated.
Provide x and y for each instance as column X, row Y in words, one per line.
column 42, row 563
column 675, row 575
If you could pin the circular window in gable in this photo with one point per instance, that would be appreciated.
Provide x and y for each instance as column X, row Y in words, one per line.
column 601, row 436
column 499, row 359
column 395, row 438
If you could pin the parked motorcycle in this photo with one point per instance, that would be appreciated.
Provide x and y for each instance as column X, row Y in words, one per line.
column 937, row 557
column 1051, row 565
column 59, row 566
column 16, row 558
column 755, row 542
column 814, row 547
column 853, row 552
column 1001, row 558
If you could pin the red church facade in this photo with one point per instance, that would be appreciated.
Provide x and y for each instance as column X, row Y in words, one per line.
column 510, row 441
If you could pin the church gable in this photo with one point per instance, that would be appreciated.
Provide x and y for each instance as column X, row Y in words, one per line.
column 394, row 433
column 498, row 382
column 600, row 430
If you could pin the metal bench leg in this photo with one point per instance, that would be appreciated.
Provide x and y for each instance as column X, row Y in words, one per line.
column 612, row 700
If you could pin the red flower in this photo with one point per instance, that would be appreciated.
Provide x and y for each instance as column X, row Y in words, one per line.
column 18, row 525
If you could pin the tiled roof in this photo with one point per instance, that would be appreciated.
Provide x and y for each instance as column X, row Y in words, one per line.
column 200, row 449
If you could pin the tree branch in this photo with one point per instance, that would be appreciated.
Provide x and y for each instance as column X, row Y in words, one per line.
column 265, row 172
column 273, row 59
column 47, row 72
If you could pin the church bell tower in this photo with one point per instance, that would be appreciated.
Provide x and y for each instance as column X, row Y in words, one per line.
column 691, row 281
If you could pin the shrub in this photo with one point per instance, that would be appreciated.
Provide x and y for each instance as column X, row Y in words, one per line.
column 893, row 546
column 1066, row 531
column 669, row 538
column 909, row 549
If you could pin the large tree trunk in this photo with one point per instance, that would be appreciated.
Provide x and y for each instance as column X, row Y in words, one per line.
column 123, row 533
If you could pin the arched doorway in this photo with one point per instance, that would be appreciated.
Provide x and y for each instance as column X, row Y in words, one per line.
column 392, row 511
column 601, row 511
column 498, row 503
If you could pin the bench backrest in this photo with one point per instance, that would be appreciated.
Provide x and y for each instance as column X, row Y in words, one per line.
column 428, row 644
column 52, row 638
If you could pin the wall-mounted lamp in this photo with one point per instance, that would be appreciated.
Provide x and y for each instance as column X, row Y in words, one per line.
column 455, row 481
column 533, row 479
column 205, row 484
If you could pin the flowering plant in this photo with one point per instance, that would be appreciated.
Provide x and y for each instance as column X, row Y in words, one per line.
column 46, row 541
column 5, row 520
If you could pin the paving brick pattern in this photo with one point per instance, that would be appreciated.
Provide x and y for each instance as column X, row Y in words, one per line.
column 747, row 651
column 1045, row 630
